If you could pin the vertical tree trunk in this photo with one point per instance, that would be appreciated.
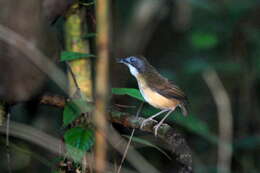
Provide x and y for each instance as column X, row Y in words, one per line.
column 102, row 86
column 75, row 29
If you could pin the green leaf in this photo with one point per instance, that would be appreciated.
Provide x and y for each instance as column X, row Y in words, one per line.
column 149, row 144
column 135, row 93
column 90, row 35
column 78, row 140
column 201, row 40
column 74, row 109
column 68, row 56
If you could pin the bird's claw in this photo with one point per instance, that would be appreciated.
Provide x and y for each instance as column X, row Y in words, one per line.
column 144, row 122
column 156, row 128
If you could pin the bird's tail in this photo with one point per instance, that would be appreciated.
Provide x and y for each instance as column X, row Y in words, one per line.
column 184, row 109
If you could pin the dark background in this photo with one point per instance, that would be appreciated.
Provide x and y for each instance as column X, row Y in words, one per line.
column 182, row 39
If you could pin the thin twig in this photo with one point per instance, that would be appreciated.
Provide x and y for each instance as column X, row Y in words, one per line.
column 73, row 76
column 223, row 103
column 130, row 139
column 8, row 143
column 77, row 94
column 133, row 156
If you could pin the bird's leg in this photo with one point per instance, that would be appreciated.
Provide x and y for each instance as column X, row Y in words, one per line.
column 152, row 117
column 156, row 127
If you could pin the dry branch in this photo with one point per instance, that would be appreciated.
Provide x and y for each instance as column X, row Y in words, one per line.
column 175, row 142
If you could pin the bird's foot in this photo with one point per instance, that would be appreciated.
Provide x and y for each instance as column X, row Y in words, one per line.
column 145, row 121
column 156, row 128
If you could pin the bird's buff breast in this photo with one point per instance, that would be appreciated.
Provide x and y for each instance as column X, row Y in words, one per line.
column 154, row 98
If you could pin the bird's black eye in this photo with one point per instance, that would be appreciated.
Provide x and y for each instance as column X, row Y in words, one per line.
column 132, row 60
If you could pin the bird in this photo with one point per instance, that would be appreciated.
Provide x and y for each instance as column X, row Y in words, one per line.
column 157, row 90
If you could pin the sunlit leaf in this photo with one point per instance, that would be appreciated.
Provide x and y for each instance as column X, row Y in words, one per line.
column 135, row 93
column 78, row 140
column 68, row 56
column 74, row 109
column 201, row 40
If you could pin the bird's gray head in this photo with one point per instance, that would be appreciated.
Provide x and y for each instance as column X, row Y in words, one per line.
column 136, row 64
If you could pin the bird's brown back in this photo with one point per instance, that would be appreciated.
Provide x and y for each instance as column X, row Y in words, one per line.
column 164, row 87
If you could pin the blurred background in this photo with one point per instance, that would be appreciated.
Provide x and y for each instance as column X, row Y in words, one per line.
column 197, row 44
column 185, row 38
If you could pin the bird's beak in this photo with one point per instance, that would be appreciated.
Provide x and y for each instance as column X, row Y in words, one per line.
column 121, row 60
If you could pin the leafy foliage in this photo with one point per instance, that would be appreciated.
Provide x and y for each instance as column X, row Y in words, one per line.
column 202, row 40
column 128, row 91
column 68, row 56
column 74, row 109
column 78, row 140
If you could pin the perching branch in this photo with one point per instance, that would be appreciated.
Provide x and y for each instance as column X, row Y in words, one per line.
column 174, row 141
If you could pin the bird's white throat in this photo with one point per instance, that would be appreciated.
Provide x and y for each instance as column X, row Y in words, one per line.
column 133, row 70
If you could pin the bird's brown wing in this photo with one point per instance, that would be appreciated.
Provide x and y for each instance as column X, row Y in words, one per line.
column 169, row 90
column 162, row 86
column 173, row 92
